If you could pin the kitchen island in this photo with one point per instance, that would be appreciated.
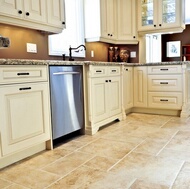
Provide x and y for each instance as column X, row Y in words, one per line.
column 111, row 90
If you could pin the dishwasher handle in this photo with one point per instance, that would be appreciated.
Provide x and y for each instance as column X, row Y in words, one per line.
column 65, row 73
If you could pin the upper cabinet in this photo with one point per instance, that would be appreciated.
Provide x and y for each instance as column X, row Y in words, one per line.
column 160, row 16
column 111, row 21
column 39, row 14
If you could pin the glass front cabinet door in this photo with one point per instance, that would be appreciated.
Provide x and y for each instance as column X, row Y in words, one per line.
column 160, row 15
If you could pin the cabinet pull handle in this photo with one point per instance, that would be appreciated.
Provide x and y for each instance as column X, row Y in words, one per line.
column 98, row 71
column 106, row 81
column 114, row 70
column 63, row 23
column 19, row 12
column 23, row 74
column 164, row 69
column 134, row 37
column 109, row 80
column 126, row 69
column 165, row 83
column 160, row 25
column 163, row 100
column 154, row 25
column 25, row 88
column 27, row 13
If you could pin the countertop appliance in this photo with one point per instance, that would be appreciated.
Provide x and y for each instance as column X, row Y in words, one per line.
column 66, row 93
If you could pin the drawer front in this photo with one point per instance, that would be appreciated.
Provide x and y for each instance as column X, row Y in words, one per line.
column 172, row 69
column 165, row 83
column 98, row 71
column 114, row 70
column 165, row 100
column 18, row 74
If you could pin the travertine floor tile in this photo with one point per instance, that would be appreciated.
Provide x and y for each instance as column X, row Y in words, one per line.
column 67, row 164
column 139, row 184
column 150, row 168
column 108, row 148
column 4, row 183
column 16, row 186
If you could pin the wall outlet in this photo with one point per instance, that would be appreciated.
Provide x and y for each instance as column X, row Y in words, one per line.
column 31, row 47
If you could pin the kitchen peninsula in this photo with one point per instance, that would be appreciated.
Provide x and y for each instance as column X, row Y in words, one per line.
column 110, row 91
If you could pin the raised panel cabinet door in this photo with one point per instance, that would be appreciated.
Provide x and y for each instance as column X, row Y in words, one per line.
column 56, row 12
column 108, row 16
column 24, row 116
column 126, row 14
column 99, row 98
column 128, row 87
column 11, row 8
column 114, row 95
column 35, row 10
column 140, row 86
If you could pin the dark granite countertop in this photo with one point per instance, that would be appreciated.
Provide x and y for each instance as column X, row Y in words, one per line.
column 59, row 62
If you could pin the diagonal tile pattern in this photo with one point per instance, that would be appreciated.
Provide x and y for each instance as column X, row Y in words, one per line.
column 143, row 151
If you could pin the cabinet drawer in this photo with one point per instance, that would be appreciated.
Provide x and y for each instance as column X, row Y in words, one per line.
column 114, row 70
column 170, row 69
column 165, row 100
column 18, row 74
column 165, row 83
column 98, row 71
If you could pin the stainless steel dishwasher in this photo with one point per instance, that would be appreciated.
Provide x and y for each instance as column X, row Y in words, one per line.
column 66, row 93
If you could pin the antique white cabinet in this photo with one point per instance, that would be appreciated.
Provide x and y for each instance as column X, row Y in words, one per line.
column 112, row 21
column 104, row 96
column 160, row 16
column 39, row 14
column 128, row 85
column 140, row 86
column 25, row 112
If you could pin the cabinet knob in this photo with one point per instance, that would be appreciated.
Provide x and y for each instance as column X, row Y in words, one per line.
column 19, row 12
column 134, row 37
column 108, row 34
column 111, row 35
column 160, row 25
column 27, row 13
column 154, row 25
column 63, row 23
column 106, row 81
column 109, row 80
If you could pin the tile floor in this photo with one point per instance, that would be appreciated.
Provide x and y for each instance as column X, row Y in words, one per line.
column 144, row 151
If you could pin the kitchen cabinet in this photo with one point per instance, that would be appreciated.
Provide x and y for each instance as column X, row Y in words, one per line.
column 41, row 15
column 128, row 85
column 104, row 96
column 140, row 86
column 160, row 16
column 114, row 21
column 126, row 22
column 25, row 111
column 165, row 87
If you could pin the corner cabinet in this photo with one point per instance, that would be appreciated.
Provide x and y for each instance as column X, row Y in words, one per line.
column 25, row 111
column 105, row 20
column 41, row 14
column 104, row 96
column 160, row 16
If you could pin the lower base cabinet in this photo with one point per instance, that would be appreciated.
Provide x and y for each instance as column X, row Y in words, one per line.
column 24, row 116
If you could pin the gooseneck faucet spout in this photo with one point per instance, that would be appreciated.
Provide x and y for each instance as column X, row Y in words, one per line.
column 76, row 50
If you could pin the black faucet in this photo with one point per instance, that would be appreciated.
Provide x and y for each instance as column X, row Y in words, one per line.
column 70, row 51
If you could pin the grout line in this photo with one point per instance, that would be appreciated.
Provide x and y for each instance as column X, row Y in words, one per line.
column 167, row 143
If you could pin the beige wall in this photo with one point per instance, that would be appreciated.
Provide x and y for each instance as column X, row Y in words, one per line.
column 20, row 36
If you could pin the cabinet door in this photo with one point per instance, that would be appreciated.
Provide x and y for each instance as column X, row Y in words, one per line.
column 24, row 116
column 99, row 98
column 128, row 87
column 126, row 14
column 140, row 86
column 35, row 10
column 108, row 18
column 11, row 8
column 56, row 12
column 114, row 95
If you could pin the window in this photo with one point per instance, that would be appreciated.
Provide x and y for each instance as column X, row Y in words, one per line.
column 73, row 35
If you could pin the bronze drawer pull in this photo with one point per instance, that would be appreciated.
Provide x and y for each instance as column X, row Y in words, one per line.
column 114, row 70
column 165, row 83
column 163, row 100
column 25, row 88
column 23, row 73
column 163, row 69
column 98, row 71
